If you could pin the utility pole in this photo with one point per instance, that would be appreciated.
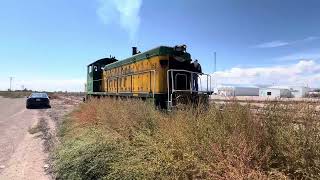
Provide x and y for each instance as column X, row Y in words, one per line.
column 215, row 70
column 215, row 62
column 11, row 78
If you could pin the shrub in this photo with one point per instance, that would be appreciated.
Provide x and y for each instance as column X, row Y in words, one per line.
column 130, row 139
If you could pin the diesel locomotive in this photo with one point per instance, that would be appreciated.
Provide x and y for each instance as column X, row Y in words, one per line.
column 165, row 75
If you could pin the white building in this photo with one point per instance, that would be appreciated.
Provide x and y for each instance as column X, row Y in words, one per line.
column 296, row 91
column 275, row 93
column 299, row 91
column 237, row 91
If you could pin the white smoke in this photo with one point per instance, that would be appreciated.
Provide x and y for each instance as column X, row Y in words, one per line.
column 124, row 12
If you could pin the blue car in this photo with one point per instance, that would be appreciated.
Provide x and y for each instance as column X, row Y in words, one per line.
column 38, row 100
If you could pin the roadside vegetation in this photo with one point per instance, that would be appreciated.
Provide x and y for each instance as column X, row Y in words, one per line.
column 129, row 139
column 14, row 94
column 26, row 93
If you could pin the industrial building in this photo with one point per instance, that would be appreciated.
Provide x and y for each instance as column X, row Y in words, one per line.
column 275, row 93
column 295, row 91
column 266, row 91
column 299, row 91
column 237, row 91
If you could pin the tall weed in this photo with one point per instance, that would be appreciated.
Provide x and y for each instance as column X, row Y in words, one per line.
column 130, row 139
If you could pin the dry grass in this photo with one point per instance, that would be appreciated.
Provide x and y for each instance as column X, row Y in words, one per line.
column 111, row 139
column 23, row 94
column 14, row 94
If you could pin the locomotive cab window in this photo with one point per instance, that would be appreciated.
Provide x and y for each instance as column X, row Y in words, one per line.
column 89, row 69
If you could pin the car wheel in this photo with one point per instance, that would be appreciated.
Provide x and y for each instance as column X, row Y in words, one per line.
column 28, row 107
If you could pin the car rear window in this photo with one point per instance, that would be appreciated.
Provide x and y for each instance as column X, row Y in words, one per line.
column 39, row 95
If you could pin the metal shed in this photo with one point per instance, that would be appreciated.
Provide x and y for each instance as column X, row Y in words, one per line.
column 275, row 93
column 238, row 91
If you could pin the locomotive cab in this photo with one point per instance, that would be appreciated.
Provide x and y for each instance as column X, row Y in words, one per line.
column 94, row 74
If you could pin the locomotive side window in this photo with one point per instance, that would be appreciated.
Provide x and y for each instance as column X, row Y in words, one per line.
column 89, row 69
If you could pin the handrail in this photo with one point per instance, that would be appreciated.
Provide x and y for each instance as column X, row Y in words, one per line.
column 191, row 90
column 191, row 72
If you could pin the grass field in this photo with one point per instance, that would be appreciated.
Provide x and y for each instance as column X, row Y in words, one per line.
column 110, row 139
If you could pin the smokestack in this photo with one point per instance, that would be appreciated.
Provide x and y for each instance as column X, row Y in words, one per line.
column 134, row 51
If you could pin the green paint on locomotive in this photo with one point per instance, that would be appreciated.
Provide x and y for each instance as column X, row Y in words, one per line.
column 94, row 74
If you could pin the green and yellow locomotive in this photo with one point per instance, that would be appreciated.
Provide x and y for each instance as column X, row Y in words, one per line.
column 164, row 74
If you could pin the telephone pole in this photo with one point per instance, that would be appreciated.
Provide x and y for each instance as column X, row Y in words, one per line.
column 215, row 62
column 11, row 78
column 214, row 81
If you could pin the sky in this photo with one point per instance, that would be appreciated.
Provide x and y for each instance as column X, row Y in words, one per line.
column 46, row 45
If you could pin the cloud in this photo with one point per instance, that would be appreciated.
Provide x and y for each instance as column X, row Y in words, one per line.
column 272, row 44
column 311, row 38
column 124, row 12
column 71, row 85
column 279, row 43
column 299, row 56
column 305, row 72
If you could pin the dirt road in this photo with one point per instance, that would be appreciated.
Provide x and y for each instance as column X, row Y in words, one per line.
column 23, row 155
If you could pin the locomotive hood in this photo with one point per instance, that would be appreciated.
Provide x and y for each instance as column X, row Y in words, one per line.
column 178, row 53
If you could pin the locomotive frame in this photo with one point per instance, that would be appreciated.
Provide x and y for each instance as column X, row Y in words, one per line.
column 163, row 74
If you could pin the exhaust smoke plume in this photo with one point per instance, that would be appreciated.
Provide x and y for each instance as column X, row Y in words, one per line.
column 124, row 12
